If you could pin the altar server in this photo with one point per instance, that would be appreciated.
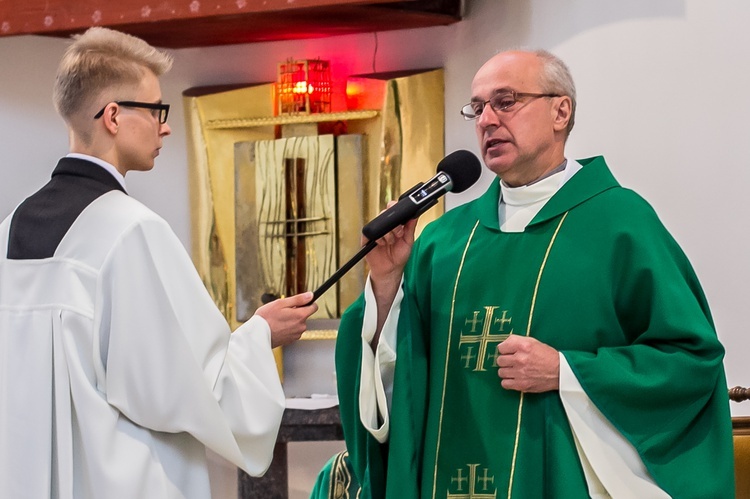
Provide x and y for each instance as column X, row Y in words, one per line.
column 117, row 370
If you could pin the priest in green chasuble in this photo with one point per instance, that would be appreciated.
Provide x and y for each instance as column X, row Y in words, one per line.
column 549, row 339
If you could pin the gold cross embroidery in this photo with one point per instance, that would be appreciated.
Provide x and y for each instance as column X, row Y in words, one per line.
column 485, row 337
column 472, row 482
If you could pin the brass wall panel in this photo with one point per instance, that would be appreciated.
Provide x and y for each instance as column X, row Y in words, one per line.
column 407, row 140
column 211, row 157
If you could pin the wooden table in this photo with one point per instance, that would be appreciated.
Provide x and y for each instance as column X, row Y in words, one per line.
column 297, row 425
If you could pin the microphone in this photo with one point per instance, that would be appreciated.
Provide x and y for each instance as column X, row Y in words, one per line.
column 456, row 172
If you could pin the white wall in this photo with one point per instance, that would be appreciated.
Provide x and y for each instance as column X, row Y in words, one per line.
column 663, row 94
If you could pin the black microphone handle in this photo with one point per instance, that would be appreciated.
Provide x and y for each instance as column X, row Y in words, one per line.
column 396, row 215
column 374, row 230
column 391, row 218
column 343, row 270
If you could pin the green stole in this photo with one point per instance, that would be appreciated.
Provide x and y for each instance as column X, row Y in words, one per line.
column 477, row 432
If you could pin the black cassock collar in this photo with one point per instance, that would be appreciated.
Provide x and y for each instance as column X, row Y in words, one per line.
column 42, row 220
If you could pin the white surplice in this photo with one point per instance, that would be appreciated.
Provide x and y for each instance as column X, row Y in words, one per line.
column 117, row 370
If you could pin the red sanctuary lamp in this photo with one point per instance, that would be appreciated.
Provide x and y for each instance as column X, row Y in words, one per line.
column 304, row 87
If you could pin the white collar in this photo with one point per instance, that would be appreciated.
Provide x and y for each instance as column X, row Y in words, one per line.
column 532, row 193
column 539, row 190
column 519, row 205
column 98, row 161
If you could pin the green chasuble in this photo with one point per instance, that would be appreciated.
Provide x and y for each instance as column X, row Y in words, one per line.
column 596, row 276
column 336, row 480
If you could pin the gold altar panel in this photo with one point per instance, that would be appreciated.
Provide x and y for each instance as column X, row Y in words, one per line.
column 285, row 202
column 392, row 141
column 351, row 158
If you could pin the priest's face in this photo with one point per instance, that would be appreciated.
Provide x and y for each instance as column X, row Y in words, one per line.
column 518, row 133
column 140, row 134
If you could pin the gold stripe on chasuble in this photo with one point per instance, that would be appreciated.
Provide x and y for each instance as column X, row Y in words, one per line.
column 447, row 355
column 340, row 479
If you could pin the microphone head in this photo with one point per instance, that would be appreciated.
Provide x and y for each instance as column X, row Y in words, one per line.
column 462, row 167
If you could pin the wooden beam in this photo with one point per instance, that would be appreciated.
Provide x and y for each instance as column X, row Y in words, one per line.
column 191, row 23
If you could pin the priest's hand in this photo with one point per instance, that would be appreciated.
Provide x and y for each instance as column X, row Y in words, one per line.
column 287, row 317
column 387, row 261
column 528, row 365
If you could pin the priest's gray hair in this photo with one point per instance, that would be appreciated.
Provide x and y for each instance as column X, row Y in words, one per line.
column 99, row 62
column 556, row 79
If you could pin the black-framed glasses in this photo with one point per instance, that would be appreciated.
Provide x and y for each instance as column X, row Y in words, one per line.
column 158, row 110
column 503, row 101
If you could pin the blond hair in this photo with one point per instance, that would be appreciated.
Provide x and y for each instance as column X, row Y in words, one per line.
column 98, row 61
